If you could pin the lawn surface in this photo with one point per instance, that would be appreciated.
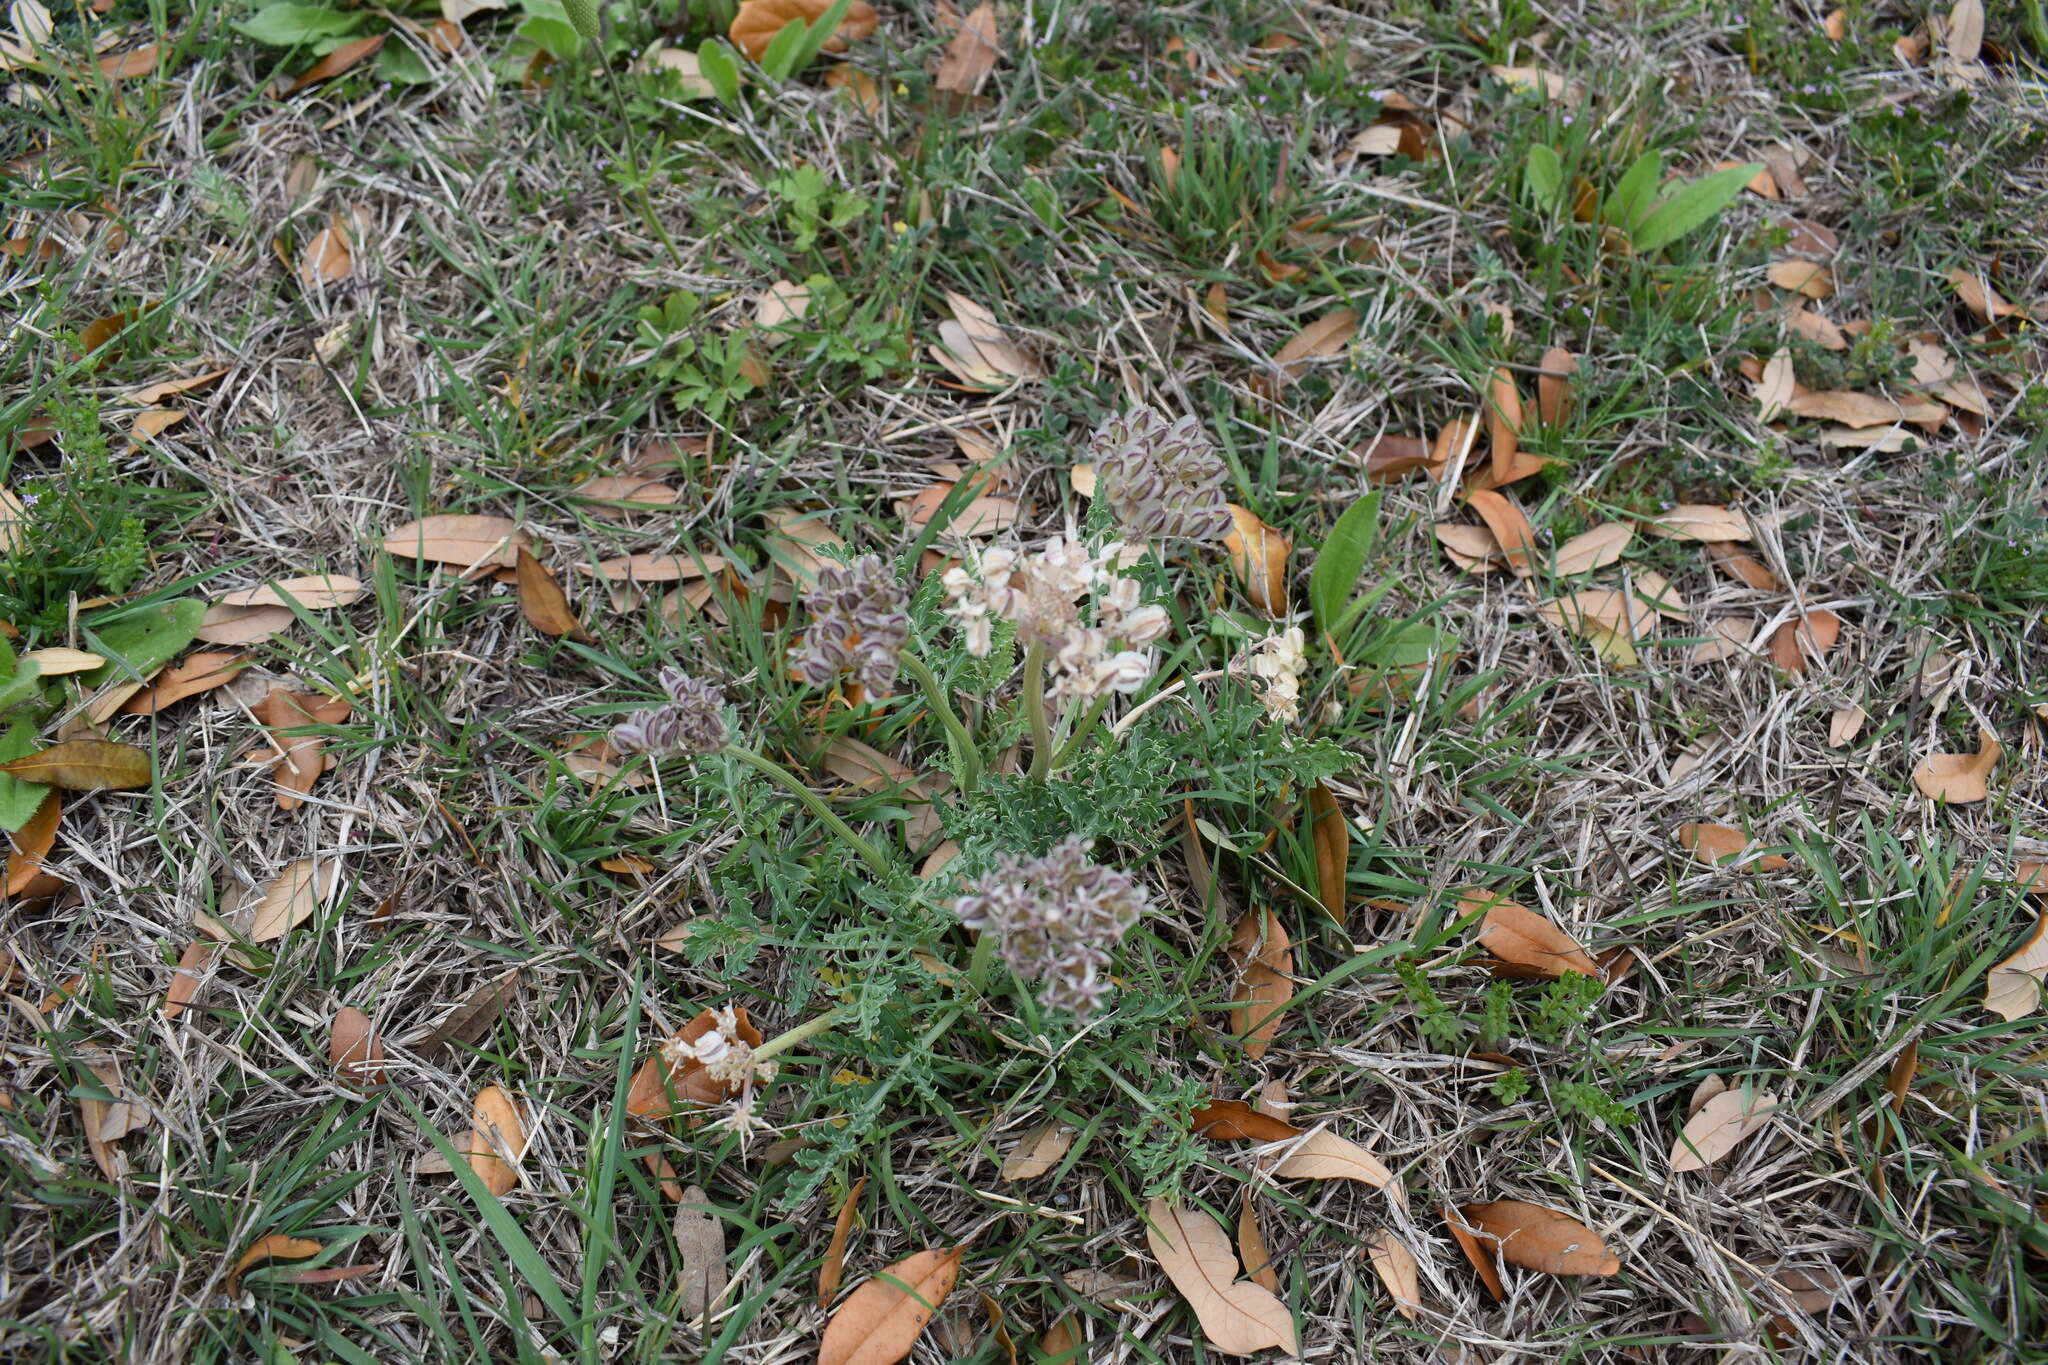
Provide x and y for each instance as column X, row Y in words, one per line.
column 489, row 269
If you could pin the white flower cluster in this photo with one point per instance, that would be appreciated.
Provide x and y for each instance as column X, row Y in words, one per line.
column 725, row 1056
column 1275, row 665
column 1069, row 600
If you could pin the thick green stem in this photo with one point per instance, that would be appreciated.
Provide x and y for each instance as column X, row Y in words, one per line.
column 1081, row 732
column 808, row 1029
column 791, row 783
column 1034, row 712
column 966, row 758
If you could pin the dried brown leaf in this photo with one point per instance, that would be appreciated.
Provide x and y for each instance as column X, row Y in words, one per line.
column 467, row 540
column 1265, row 959
column 1804, row 641
column 1697, row 521
column 2012, row 989
column 1744, row 568
column 1038, row 1150
column 1238, row 1317
column 1503, row 425
column 296, row 760
column 188, row 976
column 834, row 1265
column 756, row 22
column 664, row 1084
column 1326, row 336
column 1479, row 1253
column 84, row 765
column 881, row 1321
column 338, row 61
column 542, row 601
column 1524, row 938
column 1331, row 834
column 1537, row 1238
column 1554, row 386
column 242, row 625
column 1258, row 554
column 1251, row 1245
column 1594, row 549
column 972, row 54
column 1720, row 845
column 1844, row 725
column 1719, row 1125
column 354, row 1049
column 1322, row 1155
column 1472, row 548
column 317, row 592
column 1810, row 278
column 1399, row 1271
column 29, row 847
column 1959, row 779
column 328, row 258
column 273, row 1246
column 1511, row 529
column 471, row 1018
column 497, row 1140
column 700, row 1254
column 1224, row 1120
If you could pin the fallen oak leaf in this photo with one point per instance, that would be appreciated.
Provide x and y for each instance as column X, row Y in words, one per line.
column 1541, row 1239
column 542, row 601
column 1399, row 1271
column 1594, row 549
column 1477, row 1253
column 1325, row 337
column 1238, row 1317
column 1323, row 1155
column 1251, row 1244
column 1958, row 779
column 336, row 62
column 471, row 541
column 673, row 1077
column 316, row 592
column 355, row 1050
column 1720, row 845
column 84, row 765
column 31, row 844
column 1265, row 959
column 1258, row 554
column 756, row 23
column 1719, row 1125
column 1700, row 521
column 880, row 1322
column 296, row 761
column 1510, row 527
column 1330, row 833
column 270, row 1247
column 1798, row 644
column 497, row 1140
column 328, row 258
column 1523, row 938
column 834, row 1264
column 1038, row 1150
column 1554, row 386
column 1744, row 568
column 700, row 1251
column 471, row 1018
column 2012, row 989
column 972, row 55
column 224, row 625
column 1227, row 1119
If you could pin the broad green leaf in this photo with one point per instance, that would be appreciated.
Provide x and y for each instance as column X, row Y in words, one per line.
column 1691, row 207
column 780, row 58
column 288, row 24
column 19, row 800
column 1543, row 177
column 556, row 37
column 1342, row 559
column 819, row 34
column 716, row 64
column 400, row 64
column 136, row 644
column 1630, row 201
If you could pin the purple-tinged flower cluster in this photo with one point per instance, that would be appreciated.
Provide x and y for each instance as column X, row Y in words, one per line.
column 1057, row 919
column 692, row 721
column 860, row 621
column 1160, row 479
